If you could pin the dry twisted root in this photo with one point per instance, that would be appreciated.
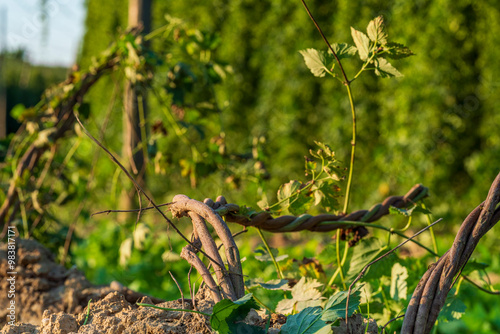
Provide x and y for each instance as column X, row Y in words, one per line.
column 230, row 279
column 319, row 223
column 430, row 293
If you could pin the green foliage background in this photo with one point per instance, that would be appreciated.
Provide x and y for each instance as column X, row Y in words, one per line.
column 437, row 125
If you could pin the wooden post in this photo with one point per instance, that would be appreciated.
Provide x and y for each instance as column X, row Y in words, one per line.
column 135, row 103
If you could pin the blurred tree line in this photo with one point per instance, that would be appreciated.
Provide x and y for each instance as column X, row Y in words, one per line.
column 24, row 82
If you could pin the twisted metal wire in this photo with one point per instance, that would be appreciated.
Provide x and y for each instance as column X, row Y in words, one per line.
column 319, row 223
column 430, row 294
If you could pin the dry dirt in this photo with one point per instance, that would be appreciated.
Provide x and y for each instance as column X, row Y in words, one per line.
column 53, row 299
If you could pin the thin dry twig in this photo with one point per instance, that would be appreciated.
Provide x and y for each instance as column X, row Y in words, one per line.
column 191, row 288
column 178, row 287
column 132, row 210
column 137, row 186
column 182, row 294
column 346, row 82
column 194, row 294
column 393, row 319
column 480, row 287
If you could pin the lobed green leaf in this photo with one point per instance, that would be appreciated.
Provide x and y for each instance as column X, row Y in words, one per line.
column 307, row 322
column 317, row 61
column 473, row 265
column 365, row 252
column 266, row 257
column 317, row 320
column 275, row 284
column 399, row 286
column 384, row 69
column 287, row 190
column 362, row 43
column 453, row 308
column 226, row 314
column 376, row 30
column 336, row 305
column 304, row 294
column 344, row 50
column 397, row 51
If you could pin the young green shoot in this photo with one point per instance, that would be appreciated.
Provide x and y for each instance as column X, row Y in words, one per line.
column 88, row 313
column 173, row 309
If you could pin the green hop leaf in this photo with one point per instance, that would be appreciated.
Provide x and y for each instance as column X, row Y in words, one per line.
column 399, row 286
column 317, row 320
column 453, row 308
column 384, row 69
column 397, row 51
column 362, row 43
column 317, row 61
column 344, row 50
column 365, row 252
column 287, row 190
column 376, row 30
column 307, row 322
column 266, row 257
column 227, row 313
column 275, row 284
column 304, row 294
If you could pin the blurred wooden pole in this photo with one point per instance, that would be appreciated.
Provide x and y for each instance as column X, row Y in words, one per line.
column 3, row 100
column 139, row 15
column 3, row 89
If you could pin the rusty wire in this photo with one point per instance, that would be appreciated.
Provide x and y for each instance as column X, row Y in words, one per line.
column 430, row 294
column 319, row 223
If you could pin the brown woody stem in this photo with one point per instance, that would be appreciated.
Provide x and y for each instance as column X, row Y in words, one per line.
column 184, row 205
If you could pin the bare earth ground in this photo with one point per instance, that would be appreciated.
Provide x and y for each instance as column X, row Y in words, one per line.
column 53, row 299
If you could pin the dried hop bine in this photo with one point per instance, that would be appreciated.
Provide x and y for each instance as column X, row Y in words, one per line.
column 319, row 223
column 430, row 294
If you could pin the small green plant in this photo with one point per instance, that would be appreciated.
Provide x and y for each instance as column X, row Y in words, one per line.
column 88, row 313
column 296, row 197
column 319, row 319
column 373, row 49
